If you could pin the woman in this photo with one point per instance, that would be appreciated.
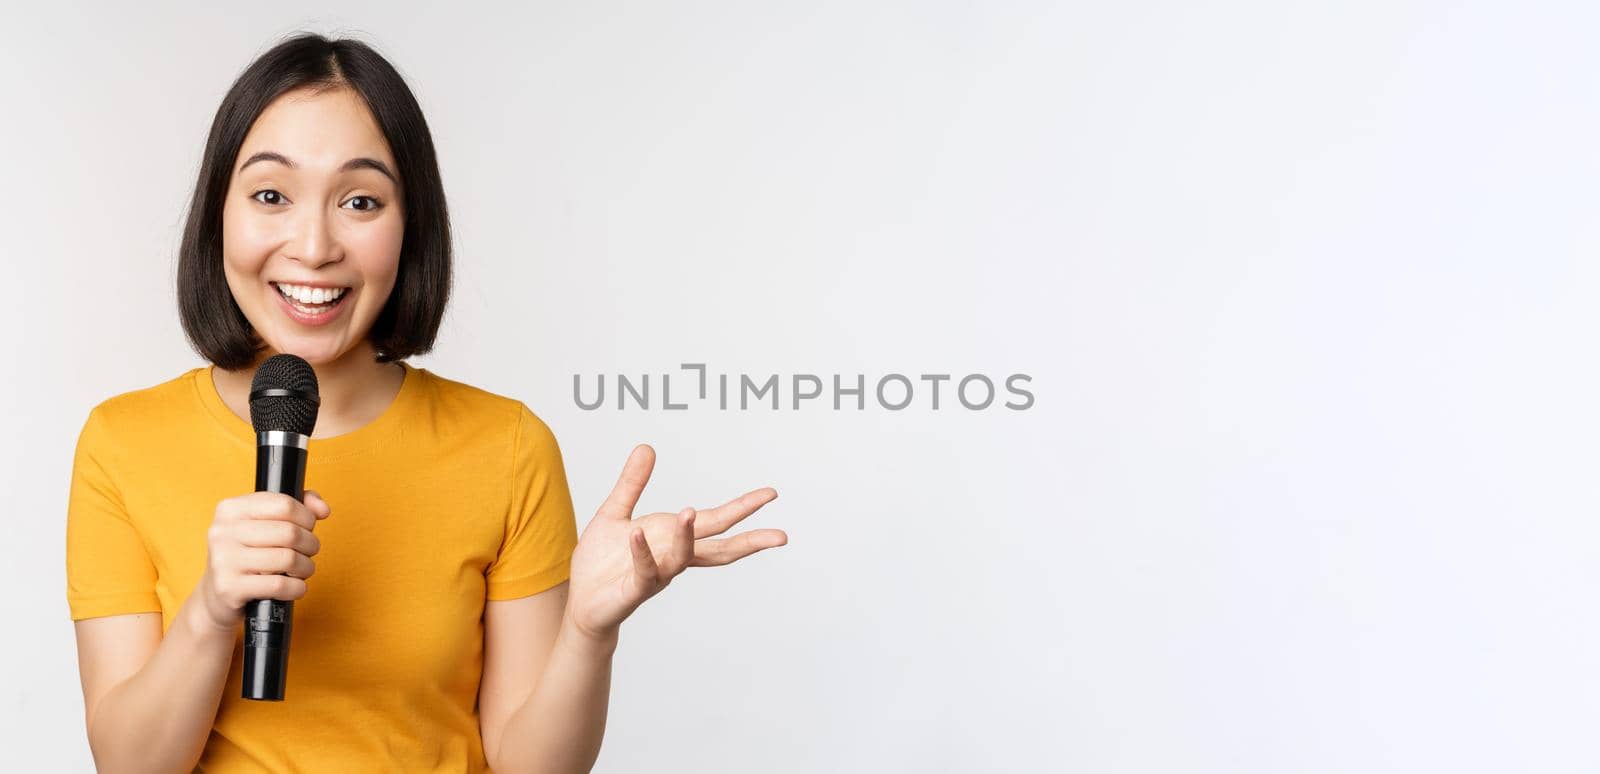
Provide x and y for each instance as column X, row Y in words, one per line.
column 456, row 622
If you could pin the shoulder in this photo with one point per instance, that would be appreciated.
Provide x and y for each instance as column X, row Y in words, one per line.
column 147, row 409
column 479, row 410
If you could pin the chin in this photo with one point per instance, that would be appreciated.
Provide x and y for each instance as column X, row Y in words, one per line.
column 314, row 352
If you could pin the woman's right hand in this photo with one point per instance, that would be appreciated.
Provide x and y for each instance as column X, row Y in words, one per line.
column 259, row 546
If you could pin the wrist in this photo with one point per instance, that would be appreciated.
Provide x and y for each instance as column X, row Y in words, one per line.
column 602, row 642
column 197, row 616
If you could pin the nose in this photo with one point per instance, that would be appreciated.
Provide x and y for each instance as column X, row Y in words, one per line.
column 313, row 242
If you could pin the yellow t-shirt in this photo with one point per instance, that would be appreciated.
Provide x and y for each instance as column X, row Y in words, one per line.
column 453, row 496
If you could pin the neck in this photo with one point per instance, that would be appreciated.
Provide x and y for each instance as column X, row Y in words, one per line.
column 354, row 389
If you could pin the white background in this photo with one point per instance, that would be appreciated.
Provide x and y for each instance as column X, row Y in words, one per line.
column 1307, row 291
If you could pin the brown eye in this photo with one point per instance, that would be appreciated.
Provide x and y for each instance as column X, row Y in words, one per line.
column 277, row 198
column 371, row 203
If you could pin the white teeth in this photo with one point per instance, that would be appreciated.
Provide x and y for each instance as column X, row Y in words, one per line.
column 309, row 295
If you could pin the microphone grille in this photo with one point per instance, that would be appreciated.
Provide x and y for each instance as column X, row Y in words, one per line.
column 283, row 395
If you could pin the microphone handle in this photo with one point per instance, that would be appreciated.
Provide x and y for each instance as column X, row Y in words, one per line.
column 280, row 467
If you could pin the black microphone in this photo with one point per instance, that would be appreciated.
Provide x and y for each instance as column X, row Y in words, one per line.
column 283, row 409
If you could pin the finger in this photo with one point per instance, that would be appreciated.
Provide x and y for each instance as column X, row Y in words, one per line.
column 713, row 553
column 275, row 534
column 274, row 586
column 716, row 521
column 276, row 506
column 682, row 545
column 272, row 561
column 318, row 506
column 635, row 474
column 645, row 572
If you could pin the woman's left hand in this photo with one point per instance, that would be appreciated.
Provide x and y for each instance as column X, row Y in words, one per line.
column 621, row 561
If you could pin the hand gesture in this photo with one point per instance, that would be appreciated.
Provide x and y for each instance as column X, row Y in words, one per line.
column 621, row 561
column 259, row 546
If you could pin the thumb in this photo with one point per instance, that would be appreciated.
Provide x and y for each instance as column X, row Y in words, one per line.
column 319, row 507
column 624, row 496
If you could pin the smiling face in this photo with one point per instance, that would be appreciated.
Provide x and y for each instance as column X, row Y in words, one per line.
column 312, row 224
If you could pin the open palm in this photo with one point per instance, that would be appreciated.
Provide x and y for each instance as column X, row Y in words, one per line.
column 621, row 561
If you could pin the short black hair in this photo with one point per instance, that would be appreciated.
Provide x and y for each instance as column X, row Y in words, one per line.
column 410, row 319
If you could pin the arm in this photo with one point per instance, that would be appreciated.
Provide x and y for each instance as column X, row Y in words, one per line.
column 566, row 645
column 149, row 701
column 545, row 688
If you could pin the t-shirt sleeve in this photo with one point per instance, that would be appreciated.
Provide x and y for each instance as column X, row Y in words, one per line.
column 109, row 571
column 541, row 530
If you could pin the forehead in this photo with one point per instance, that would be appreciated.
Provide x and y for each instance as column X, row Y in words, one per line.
column 318, row 130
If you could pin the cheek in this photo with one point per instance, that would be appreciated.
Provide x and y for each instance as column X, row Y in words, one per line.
column 245, row 244
column 379, row 254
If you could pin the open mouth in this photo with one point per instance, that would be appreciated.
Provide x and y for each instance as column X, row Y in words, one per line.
column 310, row 301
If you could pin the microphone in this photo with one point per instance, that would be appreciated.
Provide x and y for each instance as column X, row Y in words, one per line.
column 283, row 409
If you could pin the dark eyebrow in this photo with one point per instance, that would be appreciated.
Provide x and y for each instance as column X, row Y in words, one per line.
column 357, row 163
